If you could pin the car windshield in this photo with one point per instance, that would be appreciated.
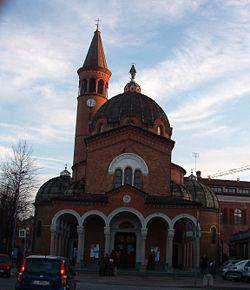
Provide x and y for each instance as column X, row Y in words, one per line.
column 4, row 259
column 43, row 265
column 239, row 263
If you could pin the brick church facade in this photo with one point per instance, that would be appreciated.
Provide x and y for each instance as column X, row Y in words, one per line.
column 125, row 193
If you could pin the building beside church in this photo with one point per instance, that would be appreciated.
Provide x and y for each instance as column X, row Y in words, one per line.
column 125, row 193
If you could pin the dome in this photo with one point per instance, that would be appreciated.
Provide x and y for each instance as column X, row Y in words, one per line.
column 179, row 191
column 131, row 105
column 54, row 187
column 201, row 193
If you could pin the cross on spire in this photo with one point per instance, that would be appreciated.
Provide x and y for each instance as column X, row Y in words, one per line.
column 97, row 23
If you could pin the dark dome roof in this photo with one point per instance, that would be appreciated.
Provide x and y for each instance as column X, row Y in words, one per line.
column 54, row 187
column 201, row 193
column 179, row 191
column 131, row 104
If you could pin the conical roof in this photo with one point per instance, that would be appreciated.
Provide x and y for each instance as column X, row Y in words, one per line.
column 95, row 57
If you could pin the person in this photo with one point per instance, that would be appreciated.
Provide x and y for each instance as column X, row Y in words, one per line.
column 103, row 266
column 19, row 258
column 116, row 260
column 208, row 280
column 203, row 264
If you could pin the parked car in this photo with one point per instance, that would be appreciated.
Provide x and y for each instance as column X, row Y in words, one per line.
column 5, row 265
column 237, row 271
column 45, row 272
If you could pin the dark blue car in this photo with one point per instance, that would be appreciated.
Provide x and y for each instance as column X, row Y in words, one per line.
column 45, row 272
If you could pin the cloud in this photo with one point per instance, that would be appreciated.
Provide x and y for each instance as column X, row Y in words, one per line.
column 212, row 102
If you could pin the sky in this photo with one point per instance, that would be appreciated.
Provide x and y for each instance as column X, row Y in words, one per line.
column 191, row 56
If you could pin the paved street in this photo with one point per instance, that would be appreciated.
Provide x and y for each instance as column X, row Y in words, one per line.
column 93, row 282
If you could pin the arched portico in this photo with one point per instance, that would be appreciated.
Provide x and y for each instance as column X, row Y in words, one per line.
column 124, row 223
column 90, row 213
column 125, row 227
column 158, row 243
column 65, row 211
column 186, row 242
column 65, row 233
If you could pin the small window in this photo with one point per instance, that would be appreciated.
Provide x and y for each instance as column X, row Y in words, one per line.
column 100, row 86
column 118, row 178
column 213, row 235
column 244, row 190
column 128, row 176
column 138, row 179
column 39, row 229
column 238, row 216
column 217, row 189
column 101, row 128
column 160, row 130
column 92, row 86
column 230, row 189
column 84, row 87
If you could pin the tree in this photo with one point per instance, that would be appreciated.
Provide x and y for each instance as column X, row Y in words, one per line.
column 18, row 180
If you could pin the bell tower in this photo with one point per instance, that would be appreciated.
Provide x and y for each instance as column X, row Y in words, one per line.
column 94, row 77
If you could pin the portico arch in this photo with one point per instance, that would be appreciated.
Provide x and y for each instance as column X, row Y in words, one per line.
column 129, row 210
column 161, row 216
column 126, row 228
column 65, row 227
column 184, row 216
column 93, row 213
column 186, row 242
column 65, row 211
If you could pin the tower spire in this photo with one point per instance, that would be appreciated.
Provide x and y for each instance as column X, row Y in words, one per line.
column 96, row 56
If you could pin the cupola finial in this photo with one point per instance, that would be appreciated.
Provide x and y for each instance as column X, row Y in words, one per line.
column 97, row 23
column 132, row 86
column 132, row 72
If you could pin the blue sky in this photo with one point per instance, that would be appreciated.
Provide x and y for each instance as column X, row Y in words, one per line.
column 192, row 57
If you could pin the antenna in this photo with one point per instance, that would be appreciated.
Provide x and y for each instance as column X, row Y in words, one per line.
column 196, row 156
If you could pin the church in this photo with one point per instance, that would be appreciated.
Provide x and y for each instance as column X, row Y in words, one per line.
column 125, row 193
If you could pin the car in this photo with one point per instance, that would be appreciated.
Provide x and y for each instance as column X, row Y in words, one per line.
column 45, row 273
column 5, row 265
column 237, row 271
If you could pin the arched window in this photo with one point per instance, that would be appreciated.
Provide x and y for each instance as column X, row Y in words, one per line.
column 39, row 229
column 101, row 128
column 92, row 86
column 160, row 130
column 138, row 178
column 84, row 87
column 118, row 178
column 100, row 86
column 128, row 176
column 238, row 217
column 213, row 235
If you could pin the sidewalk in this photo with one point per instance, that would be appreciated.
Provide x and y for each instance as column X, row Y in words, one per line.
column 158, row 282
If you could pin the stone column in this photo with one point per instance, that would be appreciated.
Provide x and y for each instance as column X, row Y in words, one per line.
column 107, row 239
column 52, row 239
column 169, row 250
column 143, row 248
column 80, row 245
column 197, row 253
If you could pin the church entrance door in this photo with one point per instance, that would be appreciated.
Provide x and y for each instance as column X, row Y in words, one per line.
column 125, row 245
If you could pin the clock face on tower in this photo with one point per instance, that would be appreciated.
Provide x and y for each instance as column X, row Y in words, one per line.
column 91, row 102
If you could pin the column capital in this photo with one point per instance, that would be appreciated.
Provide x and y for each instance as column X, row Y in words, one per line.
column 80, row 230
column 106, row 230
column 170, row 234
column 53, row 229
column 144, row 233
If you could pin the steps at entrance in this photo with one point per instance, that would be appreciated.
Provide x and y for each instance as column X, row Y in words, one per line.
column 93, row 269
